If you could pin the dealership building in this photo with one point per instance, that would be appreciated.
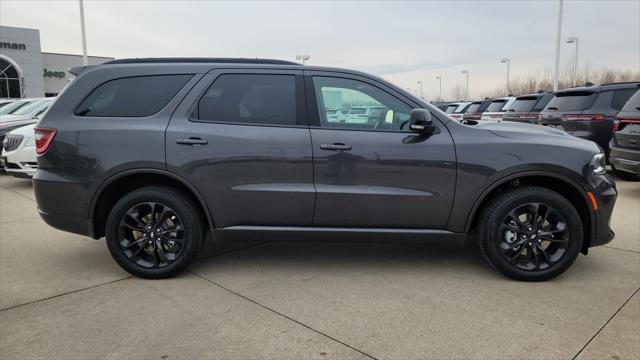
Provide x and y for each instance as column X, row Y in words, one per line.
column 26, row 71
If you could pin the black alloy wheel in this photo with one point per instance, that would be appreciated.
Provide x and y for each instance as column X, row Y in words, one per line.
column 154, row 232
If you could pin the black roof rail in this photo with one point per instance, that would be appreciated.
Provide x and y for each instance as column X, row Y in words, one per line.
column 201, row 60
column 621, row 83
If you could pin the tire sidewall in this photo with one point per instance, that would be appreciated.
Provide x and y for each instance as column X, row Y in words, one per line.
column 185, row 211
column 514, row 199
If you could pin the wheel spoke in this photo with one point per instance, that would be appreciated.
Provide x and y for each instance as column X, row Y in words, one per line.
column 134, row 218
column 535, row 257
column 544, row 254
column 544, row 217
column 161, row 254
column 133, row 228
column 559, row 241
column 135, row 242
column 137, row 252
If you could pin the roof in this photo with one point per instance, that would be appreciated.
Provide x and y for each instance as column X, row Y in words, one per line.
column 603, row 87
column 201, row 60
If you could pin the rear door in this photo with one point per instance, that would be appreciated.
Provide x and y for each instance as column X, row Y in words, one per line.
column 241, row 138
column 376, row 174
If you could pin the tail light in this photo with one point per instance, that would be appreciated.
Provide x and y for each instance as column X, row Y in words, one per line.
column 621, row 121
column 44, row 139
column 578, row 117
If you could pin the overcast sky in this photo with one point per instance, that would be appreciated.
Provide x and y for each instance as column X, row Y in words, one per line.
column 400, row 41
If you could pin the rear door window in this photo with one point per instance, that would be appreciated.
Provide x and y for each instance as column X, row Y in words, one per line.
column 132, row 96
column 250, row 99
column 572, row 101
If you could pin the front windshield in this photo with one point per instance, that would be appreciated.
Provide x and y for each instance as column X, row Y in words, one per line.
column 9, row 108
column 27, row 109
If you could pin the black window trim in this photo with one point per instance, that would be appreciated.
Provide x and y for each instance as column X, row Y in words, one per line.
column 312, row 103
column 301, row 108
column 75, row 109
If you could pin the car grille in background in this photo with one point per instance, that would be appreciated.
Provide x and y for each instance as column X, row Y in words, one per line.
column 11, row 142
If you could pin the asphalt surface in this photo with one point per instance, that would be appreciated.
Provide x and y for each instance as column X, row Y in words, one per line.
column 62, row 297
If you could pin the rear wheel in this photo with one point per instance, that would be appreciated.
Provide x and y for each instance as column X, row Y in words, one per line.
column 154, row 232
column 530, row 233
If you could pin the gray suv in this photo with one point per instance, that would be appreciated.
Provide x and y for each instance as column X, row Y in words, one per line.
column 156, row 154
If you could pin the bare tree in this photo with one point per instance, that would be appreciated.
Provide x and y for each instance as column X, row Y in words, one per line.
column 457, row 93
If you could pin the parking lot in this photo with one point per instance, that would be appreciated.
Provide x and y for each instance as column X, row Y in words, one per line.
column 62, row 297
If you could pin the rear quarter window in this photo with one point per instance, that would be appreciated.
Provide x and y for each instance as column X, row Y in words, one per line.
column 542, row 102
column 620, row 97
column 633, row 104
column 572, row 101
column 132, row 96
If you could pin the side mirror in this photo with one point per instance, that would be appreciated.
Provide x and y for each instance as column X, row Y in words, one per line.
column 420, row 122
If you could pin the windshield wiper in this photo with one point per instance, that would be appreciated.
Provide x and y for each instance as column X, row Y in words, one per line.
column 552, row 108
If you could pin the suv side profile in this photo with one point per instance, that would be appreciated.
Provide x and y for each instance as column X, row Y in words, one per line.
column 588, row 112
column 153, row 154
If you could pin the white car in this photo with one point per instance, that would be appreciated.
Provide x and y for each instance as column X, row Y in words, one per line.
column 498, row 107
column 19, row 152
column 456, row 110
column 30, row 110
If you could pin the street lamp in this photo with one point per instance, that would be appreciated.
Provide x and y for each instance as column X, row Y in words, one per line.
column 466, row 92
column 421, row 93
column 574, row 40
column 556, row 68
column 440, row 96
column 304, row 58
column 508, row 62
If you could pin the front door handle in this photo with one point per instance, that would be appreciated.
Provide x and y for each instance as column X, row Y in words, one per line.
column 335, row 147
column 193, row 141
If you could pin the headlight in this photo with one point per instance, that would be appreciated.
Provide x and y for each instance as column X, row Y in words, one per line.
column 598, row 164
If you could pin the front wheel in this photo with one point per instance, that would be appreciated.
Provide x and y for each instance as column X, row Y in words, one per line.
column 154, row 232
column 530, row 233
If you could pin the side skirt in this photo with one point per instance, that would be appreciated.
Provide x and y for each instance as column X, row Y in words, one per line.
column 338, row 234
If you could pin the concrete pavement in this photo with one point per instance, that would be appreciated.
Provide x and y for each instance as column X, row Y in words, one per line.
column 62, row 297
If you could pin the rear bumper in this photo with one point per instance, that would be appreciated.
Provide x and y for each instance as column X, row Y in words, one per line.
column 623, row 159
column 72, row 224
column 61, row 203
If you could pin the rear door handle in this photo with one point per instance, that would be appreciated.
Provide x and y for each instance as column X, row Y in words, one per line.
column 335, row 147
column 193, row 141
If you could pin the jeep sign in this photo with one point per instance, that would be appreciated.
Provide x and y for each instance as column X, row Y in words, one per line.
column 55, row 74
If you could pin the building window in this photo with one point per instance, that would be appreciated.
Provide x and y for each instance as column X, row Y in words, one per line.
column 10, row 86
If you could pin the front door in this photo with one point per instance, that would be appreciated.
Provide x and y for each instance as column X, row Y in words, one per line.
column 241, row 138
column 369, row 169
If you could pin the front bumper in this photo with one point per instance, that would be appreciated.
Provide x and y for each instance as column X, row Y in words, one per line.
column 605, row 194
column 623, row 159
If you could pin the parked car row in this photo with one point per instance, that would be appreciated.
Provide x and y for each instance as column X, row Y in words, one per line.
column 607, row 114
column 17, row 139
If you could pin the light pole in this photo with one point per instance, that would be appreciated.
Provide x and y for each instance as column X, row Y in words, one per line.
column 440, row 95
column 304, row 58
column 85, row 60
column 421, row 93
column 508, row 62
column 574, row 40
column 466, row 92
column 556, row 72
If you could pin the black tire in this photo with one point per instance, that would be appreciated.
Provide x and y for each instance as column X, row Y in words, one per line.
column 169, row 240
column 536, row 250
